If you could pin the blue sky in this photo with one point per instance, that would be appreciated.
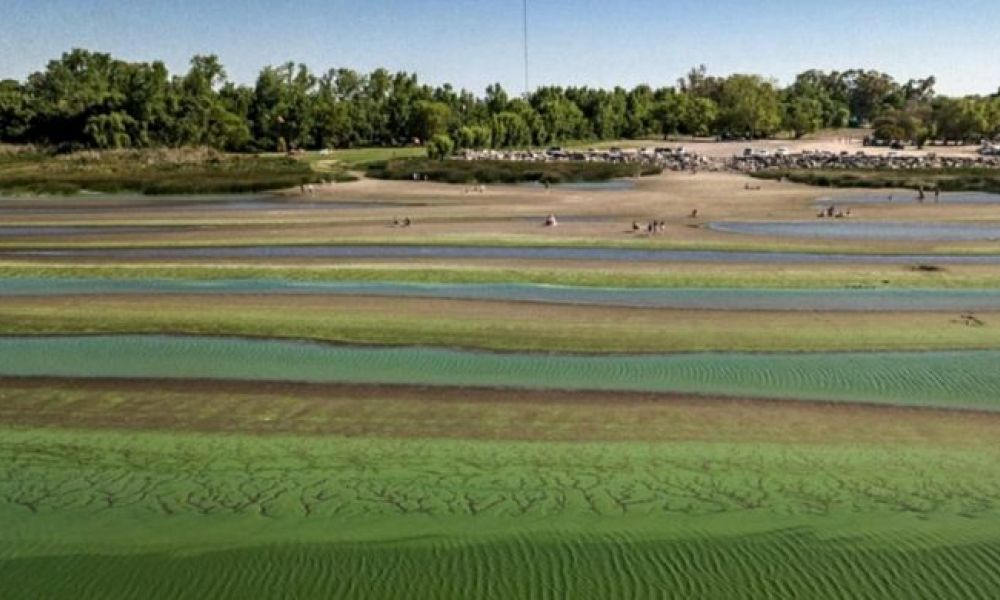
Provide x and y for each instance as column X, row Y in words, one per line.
column 472, row 43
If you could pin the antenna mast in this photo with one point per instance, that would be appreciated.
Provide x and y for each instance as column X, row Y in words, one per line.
column 527, row 88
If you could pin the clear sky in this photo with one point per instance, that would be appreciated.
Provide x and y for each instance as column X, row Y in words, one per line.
column 472, row 43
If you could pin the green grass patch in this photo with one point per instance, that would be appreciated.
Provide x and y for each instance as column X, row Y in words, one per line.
column 152, row 172
column 415, row 237
column 504, row 328
column 706, row 276
column 361, row 157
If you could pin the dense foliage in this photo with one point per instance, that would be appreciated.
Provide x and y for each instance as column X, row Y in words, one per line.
column 194, row 171
column 92, row 100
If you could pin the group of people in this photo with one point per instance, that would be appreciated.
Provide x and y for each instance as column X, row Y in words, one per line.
column 405, row 222
column 651, row 227
column 479, row 189
column 832, row 213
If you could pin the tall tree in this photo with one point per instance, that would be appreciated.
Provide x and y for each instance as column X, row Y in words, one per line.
column 749, row 104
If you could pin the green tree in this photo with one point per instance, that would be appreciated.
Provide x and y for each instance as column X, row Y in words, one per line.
column 508, row 130
column 667, row 113
column 496, row 99
column 15, row 111
column 993, row 117
column 110, row 131
column 432, row 119
column 961, row 119
column 869, row 93
column 749, row 104
column 803, row 115
column 911, row 123
column 639, row 120
column 561, row 118
column 440, row 147
column 699, row 115
column 474, row 136
column 283, row 108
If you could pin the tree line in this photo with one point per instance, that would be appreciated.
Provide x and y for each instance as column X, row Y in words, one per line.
column 92, row 100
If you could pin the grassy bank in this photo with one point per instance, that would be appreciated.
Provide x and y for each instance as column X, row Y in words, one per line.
column 362, row 157
column 485, row 171
column 674, row 276
column 151, row 172
column 503, row 326
column 341, row 235
column 947, row 180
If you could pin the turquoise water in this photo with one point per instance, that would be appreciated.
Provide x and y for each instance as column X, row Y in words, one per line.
column 512, row 252
column 695, row 298
column 957, row 379
column 845, row 229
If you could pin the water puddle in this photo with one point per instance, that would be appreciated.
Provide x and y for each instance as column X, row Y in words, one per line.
column 846, row 229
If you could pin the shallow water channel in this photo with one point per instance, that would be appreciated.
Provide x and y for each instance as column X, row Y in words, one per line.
column 966, row 379
column 845, row 229
column 910, row 197
column 676, row 298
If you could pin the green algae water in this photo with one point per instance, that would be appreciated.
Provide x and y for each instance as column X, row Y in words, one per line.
column 968, row 379
column 175, row 515
column 678, row 298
